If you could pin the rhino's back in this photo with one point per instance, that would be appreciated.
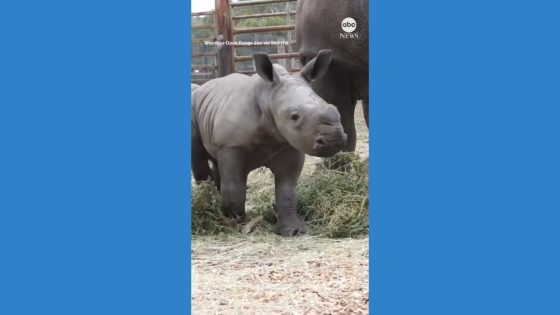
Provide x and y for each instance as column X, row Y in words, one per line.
column 224, row 112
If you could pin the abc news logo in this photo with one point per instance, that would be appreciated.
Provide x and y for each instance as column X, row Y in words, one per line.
column 348, row 26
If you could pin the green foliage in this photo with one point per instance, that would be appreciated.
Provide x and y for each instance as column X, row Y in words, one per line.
column 202, row 33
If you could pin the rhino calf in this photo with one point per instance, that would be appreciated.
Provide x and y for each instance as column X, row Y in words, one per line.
column 272, row 119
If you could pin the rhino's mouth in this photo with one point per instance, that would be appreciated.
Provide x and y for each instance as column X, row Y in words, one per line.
column 326, row 152
column 326, row 145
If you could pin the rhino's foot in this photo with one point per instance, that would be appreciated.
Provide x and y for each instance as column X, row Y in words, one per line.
column 290, row 227
column 236, row 216
column 240, row 218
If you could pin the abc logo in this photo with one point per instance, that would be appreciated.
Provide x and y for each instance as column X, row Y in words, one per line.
column 348, row 25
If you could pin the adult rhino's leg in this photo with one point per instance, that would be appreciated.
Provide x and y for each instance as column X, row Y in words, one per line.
column 286, row 168
column 365, row 106
column 362, row 89
column 199, row 158
column 335, row 87
column 233, row 181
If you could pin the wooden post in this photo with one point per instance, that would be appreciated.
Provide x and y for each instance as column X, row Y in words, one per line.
column 225, row 52
column 289, row 38
column 281, row 49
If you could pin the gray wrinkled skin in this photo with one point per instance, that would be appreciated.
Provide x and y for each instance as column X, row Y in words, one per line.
column 194, row 87
column 318, row 26
column 240, row 123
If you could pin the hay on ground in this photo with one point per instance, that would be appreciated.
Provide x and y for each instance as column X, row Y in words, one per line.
column 268, row 274
column 206, row 216
column 333, row 200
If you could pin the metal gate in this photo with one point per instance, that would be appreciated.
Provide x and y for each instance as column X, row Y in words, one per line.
column 249, row 22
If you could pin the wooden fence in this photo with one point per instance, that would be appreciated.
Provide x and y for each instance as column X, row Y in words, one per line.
column 212, row 57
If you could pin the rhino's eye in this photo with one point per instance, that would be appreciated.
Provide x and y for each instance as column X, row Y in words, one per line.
column 294, row 117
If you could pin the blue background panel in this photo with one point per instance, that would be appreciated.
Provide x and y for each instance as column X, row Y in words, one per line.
column 465, row 157
column 94, row 138
column 93, row 133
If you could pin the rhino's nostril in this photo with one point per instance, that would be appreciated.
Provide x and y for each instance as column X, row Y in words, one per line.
column 320, row 141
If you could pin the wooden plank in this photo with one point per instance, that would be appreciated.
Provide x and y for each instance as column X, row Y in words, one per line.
column 204, row 66
column 201, row 41
column 252, row 16
column 204, row 26
column 255, row 2
column 204, row 54
column 271, row 56
column 202, row 13
column 264, row 29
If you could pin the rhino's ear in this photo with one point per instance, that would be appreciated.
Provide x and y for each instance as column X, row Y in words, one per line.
column 318, row 66
column 263, row 65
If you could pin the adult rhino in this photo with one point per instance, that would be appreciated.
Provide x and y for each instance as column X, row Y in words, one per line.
column 319, row 26
column 194, row 87
column 272, row 119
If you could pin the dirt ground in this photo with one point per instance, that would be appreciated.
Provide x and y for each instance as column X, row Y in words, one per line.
column 268, row 274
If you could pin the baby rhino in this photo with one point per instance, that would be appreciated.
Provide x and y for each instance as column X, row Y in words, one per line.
column 270, row 119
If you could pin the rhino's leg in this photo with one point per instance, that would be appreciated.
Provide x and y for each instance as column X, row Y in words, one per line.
column 347, row 121
column 335, row 87
column 233, row 181
column 362, row 89
column 199, row 158
column 215, row 172
column 365, row 106
column 286, row 168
